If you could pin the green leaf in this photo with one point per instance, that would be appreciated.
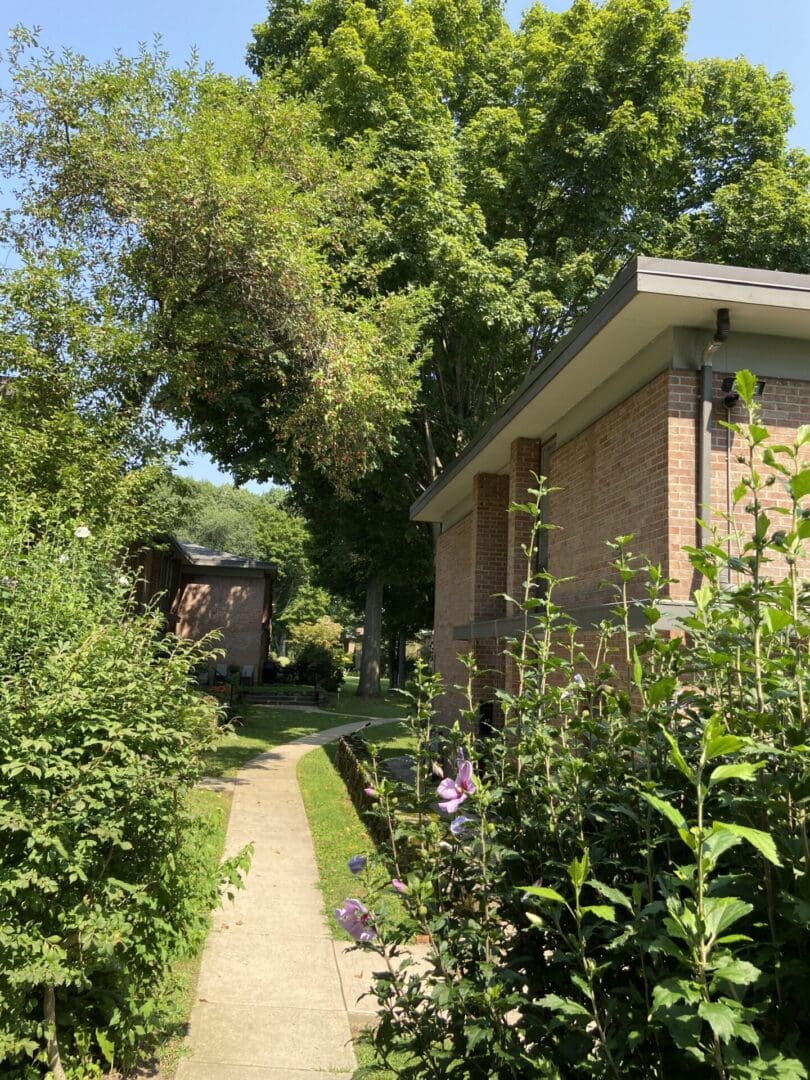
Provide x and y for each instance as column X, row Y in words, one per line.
column 662, row 689
column 578, row 870
column 602, row 911
column 738, row 972
column 802, row 434
column 668, row 992
column 544, row 894
column 776, row 619
column 683, row 1024
column 719, row 1017
column 743, row 770
column 611, row 894
column 762, row 841
column 719, row 842
column 678, row 760
column 668, row 810
column 722, row 745
column 721, row 912
column 638, row 671
column 800, row 484
column 745, row 383
column 106, row 1045
column 565, row 1006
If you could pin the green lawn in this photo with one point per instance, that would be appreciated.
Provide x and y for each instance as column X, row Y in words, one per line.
column 260, row 728
column 348, row 703
column 338, row 832
column 392, row 740
column 364, row 1052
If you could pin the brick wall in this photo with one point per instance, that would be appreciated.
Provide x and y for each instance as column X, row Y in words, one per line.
column 453, row 607
column 633, row 471
column 524, row 461
column 613, row 481
column 785, row 405
column 233, row 605
column 489, row 564
column 524, row 466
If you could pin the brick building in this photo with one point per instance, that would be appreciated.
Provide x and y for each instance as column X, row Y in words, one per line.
column 200, row 590
column 624, row 417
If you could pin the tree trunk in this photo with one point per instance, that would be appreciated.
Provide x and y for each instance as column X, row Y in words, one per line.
column 52, row 1042
column 369, row 686
column 401, row 658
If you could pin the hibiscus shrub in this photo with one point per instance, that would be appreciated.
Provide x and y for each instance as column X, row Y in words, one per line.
column 103, row 878
column 616, row 883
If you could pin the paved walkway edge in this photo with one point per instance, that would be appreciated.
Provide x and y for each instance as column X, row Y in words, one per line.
column 269, row 1001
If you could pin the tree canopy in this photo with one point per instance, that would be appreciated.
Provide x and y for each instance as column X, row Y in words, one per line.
column 514, row 172
column 203, row 224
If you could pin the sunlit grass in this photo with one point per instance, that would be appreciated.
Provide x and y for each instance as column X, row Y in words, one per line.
column 260, row 728
column 338, row 833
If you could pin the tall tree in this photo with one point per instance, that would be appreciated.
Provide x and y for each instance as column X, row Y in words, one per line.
column 223, row 239
column 514, row 172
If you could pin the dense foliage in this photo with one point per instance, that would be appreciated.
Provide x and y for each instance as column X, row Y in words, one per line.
column 514, row 172
column 617, row 882
column 102, row 877
column 202, row 226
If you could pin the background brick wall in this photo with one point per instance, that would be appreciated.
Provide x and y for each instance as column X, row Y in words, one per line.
column 453, row 607
column 785, row 405
column 233, row 605
column 524, row 461
column 613, row 481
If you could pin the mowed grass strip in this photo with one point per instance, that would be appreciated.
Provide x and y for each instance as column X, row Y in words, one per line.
column 338, row 833
column 347, row 703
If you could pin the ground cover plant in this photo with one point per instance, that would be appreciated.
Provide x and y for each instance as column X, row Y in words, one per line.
column 616, row 883
column 106, row 878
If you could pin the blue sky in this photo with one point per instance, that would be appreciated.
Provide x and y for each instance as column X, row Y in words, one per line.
column 776, row 34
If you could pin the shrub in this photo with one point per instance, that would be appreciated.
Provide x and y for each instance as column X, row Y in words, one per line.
column 101, row 880
column 320, row 666
column 324, row 632
column 619, row 884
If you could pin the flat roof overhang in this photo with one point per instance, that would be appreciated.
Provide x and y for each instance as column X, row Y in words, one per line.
column 647, row 297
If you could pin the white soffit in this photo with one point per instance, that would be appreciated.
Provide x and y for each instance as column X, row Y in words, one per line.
column 647, row 297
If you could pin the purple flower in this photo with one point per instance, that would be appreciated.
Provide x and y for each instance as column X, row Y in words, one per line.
column 452, row 793
column 355, row 920
column 370, row 792
column 460, row 827
column 400, row 886
column 357, row 863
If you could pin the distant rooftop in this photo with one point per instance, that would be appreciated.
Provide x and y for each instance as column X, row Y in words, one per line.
column 203, row 556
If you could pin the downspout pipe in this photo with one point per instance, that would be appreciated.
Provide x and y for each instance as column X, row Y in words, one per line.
column 704, row 419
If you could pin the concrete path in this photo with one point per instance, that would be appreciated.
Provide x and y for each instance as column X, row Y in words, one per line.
column 270, row 1002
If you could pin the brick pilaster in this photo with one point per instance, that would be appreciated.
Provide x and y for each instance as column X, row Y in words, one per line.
column 490, row 536
column 524, row 465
